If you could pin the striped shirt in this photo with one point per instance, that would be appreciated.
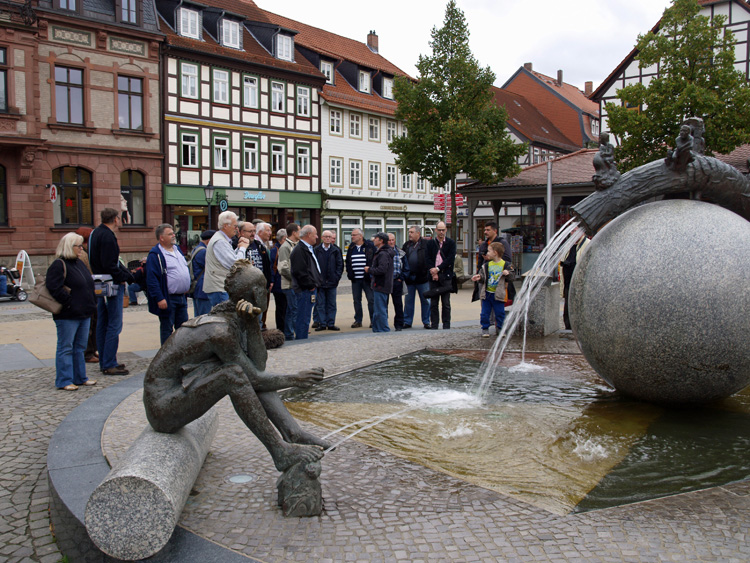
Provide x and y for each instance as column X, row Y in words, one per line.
column 359, row 261
column 396, row 264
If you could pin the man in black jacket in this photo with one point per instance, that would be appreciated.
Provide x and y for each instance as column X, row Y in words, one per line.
column 358, row 256
column 305, row 278
column 104, row 258
column 441, row 255
column 331, row 267
column 381, row 274
column 419, row 277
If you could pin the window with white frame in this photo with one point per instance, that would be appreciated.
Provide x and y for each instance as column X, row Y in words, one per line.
column 189, row 142
column 406, row 182
column 404, row 130
column 284, row 47
column 434, row 188
column 250, row 91
column 303, row 160
column 277, row 97
column 327, row 69
column 374, row 183
column 364, row 81
column 303, row 101
column 336, row 166
column 420, row 184
column 230, row 34
column 221, row 153
column 374, row 129
column 355, row 125
column 388, row 88
column 189, row 23
column 390, row 131
column 390, row 177
column 335, row 122
column 355, row 173
column 221, row 86
column 278, row 158
column 594, row 126
column 250, row 155
column 189, row 80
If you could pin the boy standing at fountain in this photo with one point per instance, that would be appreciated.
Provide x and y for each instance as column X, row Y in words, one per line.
column 493, row 276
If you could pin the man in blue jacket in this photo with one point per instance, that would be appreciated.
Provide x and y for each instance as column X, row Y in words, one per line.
column 201, row 304
column 331, row 263
column 168, row 282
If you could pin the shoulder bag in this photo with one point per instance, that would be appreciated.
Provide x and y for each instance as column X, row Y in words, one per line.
column 42, row 298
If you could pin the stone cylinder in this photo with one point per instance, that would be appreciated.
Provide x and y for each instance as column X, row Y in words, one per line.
column 131, row 515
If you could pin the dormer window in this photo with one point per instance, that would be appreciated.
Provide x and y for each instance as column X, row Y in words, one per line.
column 128, row 11
column 284, row 47
column 71, row 5
column 230, row 34
column 327, row 69
column 595, row 127
column 388, row 88
column 189, row 23
column 364, row 81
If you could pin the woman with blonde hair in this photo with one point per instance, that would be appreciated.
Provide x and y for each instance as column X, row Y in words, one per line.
column 69, row 282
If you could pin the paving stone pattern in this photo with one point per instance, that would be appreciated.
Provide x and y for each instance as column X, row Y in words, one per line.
column 379, row 507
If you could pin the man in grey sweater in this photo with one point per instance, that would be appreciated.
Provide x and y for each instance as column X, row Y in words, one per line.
column 220, row 257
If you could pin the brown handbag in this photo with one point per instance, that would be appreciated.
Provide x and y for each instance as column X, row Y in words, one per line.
column 42, row 298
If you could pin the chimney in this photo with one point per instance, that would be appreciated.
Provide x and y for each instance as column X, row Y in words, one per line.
column 372, row 41
column 559, row 78
column 528, row 66
column 588, row 88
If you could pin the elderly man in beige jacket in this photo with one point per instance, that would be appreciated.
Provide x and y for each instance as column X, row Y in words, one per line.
column 220, row 257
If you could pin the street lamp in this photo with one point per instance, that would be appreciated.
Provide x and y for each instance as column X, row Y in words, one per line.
column 209, row 192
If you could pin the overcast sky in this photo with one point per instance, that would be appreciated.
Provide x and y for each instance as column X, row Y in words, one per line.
column 584, row 38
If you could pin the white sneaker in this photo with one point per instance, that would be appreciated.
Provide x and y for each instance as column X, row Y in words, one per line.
column 485, row 333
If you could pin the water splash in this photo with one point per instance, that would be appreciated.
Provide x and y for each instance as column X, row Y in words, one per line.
column 553, row 253
column 525, row 367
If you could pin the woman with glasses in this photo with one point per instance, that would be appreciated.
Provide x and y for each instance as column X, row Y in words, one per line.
column 70, row 283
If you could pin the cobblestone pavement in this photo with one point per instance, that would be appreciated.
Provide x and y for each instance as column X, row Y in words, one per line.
column 385, row 508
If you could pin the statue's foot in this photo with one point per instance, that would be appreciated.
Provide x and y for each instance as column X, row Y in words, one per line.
column 291, row 454
column 303, row 437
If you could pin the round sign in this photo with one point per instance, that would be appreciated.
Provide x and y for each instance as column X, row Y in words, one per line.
column 223, row 204
column 53, row 193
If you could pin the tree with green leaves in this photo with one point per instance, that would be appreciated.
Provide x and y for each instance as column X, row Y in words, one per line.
column 697, row 78
column 452, row 120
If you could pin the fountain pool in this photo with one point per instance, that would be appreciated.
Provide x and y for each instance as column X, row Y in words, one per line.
column 549, row 432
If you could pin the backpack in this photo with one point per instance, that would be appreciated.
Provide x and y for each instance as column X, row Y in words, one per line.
column 193, row 279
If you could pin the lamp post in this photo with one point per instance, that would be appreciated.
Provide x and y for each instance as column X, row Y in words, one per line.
column 209, row 192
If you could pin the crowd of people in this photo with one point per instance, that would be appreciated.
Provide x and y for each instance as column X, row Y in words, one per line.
column 301, row 273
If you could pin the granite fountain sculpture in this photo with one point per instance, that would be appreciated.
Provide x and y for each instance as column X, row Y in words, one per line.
column 659, row 301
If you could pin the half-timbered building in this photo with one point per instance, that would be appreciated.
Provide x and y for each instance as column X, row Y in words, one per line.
column 241, row 117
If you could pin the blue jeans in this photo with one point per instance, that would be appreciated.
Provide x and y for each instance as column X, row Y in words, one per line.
column 201, row 307
column 216, row 297
column 326, row 306
column 291, row 313
column 109, row 327
column 133, row 290
column 423, row 301
column 70, row 365
column 489, row 304
column 178, row 314
column 358, row 286
column 380, row 312
column 304, row 310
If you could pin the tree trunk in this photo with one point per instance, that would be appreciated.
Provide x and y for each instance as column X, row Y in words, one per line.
column 716, row 181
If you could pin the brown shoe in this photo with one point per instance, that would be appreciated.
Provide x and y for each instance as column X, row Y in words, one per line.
column 70, row 387
column 356, row 325
column 92, row 360
column 115, row 371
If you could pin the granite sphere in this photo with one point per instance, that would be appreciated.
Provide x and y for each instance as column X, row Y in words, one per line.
column 660, row 302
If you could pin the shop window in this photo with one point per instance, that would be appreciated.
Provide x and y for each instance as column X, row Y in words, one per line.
column 3, row 196
column 133, row 197
column 3, row 79
column 130, row 103
column 372, row 228
column 69, row 95
column 74, row 203
column 397, row 227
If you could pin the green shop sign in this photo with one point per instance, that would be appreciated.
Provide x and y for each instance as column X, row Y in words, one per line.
column 194, row 195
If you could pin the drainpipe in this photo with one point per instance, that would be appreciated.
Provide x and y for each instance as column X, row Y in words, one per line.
column 550, row 210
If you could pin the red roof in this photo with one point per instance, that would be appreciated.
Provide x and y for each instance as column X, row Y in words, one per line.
column 739, row 158
column 570, row 93
column 529, row 122
column 343, row 93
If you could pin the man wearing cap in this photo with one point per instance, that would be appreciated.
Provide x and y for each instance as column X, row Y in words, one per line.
column 201, row 304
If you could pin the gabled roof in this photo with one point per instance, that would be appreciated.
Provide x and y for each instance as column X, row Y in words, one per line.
column 564, row 90
column 598, row 94
column 525, row 119
column 343, row 93
column 739, row 158
column 252, row 52
column 571, row 169
column 335, row 46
